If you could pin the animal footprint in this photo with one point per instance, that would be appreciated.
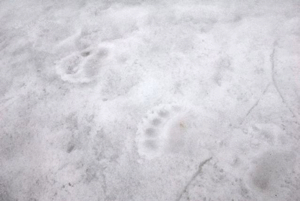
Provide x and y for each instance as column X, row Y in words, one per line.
column 82, row 66
column 270, row 173
column 168, row 129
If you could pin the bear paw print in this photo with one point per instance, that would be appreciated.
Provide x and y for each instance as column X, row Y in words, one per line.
column 82, row 67
column 168, row 129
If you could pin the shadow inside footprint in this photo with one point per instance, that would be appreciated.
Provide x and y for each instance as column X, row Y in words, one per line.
column 85, row 53
column 151, row 145
column 156, row 122
column 151, row 132
column 70, row 65
column 164, row 113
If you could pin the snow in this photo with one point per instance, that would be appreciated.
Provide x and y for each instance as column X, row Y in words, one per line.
column 149, row 100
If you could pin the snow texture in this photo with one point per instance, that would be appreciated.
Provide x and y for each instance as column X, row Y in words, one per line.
column 130, row 100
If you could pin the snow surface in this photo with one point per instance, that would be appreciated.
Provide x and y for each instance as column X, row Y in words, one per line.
column 130, row 100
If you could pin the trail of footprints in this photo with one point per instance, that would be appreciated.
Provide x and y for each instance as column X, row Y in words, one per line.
column 167, row 129
column 175, row 129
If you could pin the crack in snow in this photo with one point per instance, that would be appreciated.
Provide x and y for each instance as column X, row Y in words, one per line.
column 255, row 104
column 193, row 178
column 272, row 60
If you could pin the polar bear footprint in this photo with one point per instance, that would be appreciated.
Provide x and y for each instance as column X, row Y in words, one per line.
column 167, row 129
column 82, row 66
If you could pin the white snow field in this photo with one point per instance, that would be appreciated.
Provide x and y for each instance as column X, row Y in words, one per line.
column 131, row 100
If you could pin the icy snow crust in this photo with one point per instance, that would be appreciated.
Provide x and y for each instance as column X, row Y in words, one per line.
column 149, row 100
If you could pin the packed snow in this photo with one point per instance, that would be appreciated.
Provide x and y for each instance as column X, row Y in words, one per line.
column 131, row 100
